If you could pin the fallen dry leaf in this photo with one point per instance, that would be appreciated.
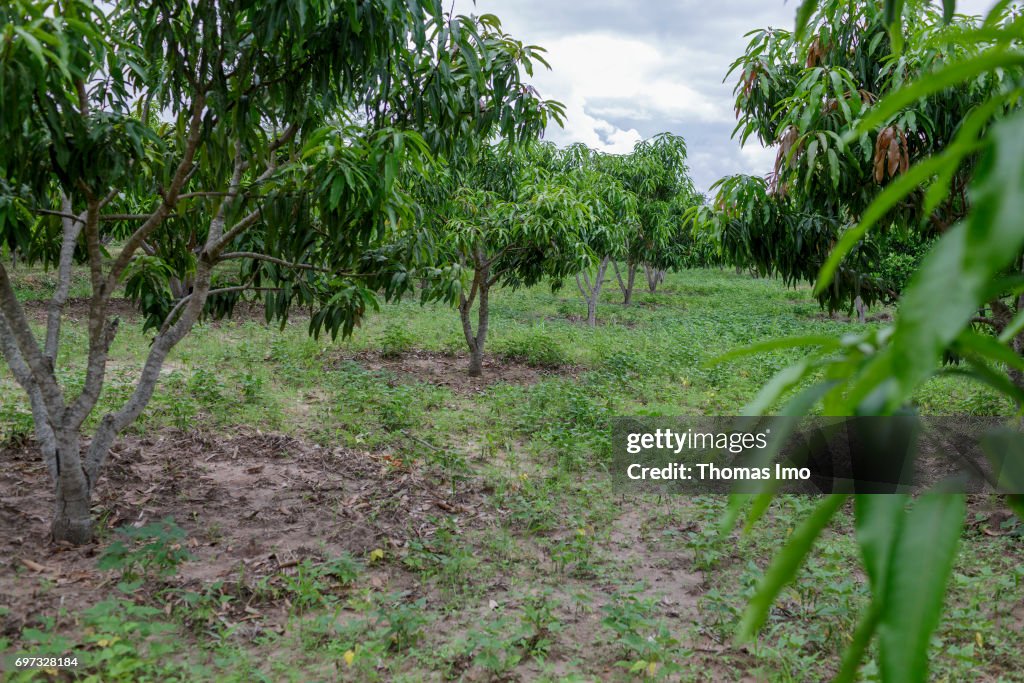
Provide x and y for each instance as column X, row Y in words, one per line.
column 36, row 567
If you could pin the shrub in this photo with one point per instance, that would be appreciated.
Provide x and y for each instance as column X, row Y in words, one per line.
column 534, row 347
column 395, row 340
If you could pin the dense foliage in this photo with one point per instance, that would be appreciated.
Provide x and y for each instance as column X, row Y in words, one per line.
column 975, row 181
column 509, row 218
column 806, row 93
column 232, row 147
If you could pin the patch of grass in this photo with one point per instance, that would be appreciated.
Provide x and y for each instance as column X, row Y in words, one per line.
column 533, row 346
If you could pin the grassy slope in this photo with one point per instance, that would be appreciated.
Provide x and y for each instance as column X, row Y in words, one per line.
column 567, row 580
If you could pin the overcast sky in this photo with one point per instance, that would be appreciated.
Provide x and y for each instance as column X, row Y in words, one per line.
column 628, row 69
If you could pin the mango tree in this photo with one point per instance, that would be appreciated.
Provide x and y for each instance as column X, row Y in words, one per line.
column 234, row 147
column 615, row 217
column 909, row 546
column 508, row 219
column 656, row 173
column 805, row 94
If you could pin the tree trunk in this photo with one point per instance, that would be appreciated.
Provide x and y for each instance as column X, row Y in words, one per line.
column 655, row 277
column 72, row 519
column 627, row 285
column 591, row 290
column 861, row 309
column 628, row 294
column 180, row 288
column 58, row 419
column 476, row 361
column 475, row 341
column 1016, row 375
column 476, row 349
column 1002, row 316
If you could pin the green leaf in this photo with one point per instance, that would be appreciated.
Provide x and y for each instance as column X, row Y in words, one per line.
column 34, row 46
column 1004, row 448
column 777, row 345
column 989, row 347
column 918, row 570
column 737, row 501
column 893, row 10
column 1013, row 328
column 948, row 8
column 955, row 277
column 783, row 381
column 954, row 74
column 877, row 522
column 760, row 506
column 965, row 143
column 803, row 16
column 867, row 625
column 888, row 198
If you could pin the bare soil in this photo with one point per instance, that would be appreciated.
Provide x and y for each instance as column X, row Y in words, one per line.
column 446, row 370
column 77, row 309
column 255, row 502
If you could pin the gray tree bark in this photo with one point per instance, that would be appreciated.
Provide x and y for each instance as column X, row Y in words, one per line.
column 481, row 288
column 58, row 422
column 655, row 277
column 591, row 289
column 71, row 228
column 627, row 285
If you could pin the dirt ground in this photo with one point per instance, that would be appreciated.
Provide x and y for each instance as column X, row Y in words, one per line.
column 446, row 370
column 254, row 505
column 256, row 501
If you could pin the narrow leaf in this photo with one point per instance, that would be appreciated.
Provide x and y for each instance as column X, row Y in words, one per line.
column 919, row 568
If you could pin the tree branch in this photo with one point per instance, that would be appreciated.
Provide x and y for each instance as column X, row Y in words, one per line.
column 270, row 259
column 109, row 198
column 110, row 217
column 72, row 226
column 166, row 339
column 239, row 227
column 217, row 240
column 101, row 330
column 40, row 415
column 618, row 276
column 579, row 285
column 190, row 195
column 28, row 347
column 168, row 199
column 66, row 215
column 981, row 320
column 169, row 320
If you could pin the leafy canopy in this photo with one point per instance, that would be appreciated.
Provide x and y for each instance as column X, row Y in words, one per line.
column 812, row 95
column 975, row 176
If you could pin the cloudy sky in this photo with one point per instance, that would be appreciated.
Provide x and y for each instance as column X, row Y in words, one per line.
column 628, row 69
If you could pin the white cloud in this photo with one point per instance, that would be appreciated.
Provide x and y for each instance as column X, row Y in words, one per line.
column 624, row 74
column 603, row 78
column 627, row 70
